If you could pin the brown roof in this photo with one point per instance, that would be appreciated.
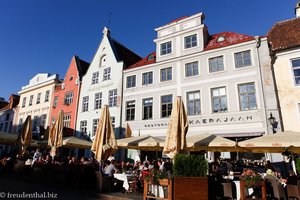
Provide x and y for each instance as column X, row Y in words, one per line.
column 285, row 34
column 231, row 38
column 149, row 59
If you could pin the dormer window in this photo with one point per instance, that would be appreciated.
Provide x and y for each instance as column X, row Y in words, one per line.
column 150, row 57
column 71, row 78
column 221, row 39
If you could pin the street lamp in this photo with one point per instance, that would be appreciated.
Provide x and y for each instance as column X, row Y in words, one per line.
column 273, row 122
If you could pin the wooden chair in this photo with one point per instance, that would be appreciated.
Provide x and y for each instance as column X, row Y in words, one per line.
column 278, row 192
column 132, row 182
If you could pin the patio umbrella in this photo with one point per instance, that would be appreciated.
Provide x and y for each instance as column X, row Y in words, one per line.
column 25, row 135
column 56, row 134
column 104, row 143
column 75, row 142
column 177, row 130
column 128, row 132
column 210, row 142
column 145, row 143
column 274, row 143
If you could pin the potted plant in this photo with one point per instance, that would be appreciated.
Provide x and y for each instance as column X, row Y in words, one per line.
column 190, row 177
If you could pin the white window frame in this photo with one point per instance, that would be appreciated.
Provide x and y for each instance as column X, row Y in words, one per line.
column 85, row 103
column 247, row 94
column 112, row 97
column 243, row 59
column 218, row 70
column 194, row 101
column 167, row 78
column 166, row 104
column 191, row 43
column 293, row 71
column 98, row 101
column 106, row 73
column 146, row 79
column 67, row 120
column 130, row 109
column 164, row 49
column 131, row 81
column 149, row 108
column 95, row 78
column 220, row 97
column 192, row 65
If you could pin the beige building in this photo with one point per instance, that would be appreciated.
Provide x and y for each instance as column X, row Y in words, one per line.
column 35, row 99
column 284, row 39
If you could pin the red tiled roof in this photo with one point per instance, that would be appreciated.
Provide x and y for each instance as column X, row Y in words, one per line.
column 285, row 34
column 231, row 38
column 144, row 61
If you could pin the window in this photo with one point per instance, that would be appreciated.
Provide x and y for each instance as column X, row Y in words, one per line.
column 113, row 121
column 190, row 41
column 1, row 126
column 67, row 120
column 20, row 125
column 43, row 120
column 55, row 101
column 95, row 77
column 131, row 81
column 7, row 117
column 242, row 59
column 219, row 100
column 191, row 69
column 34, row 123
column 47, row 95
column 147, row 78
column 296, row 69
column 30, row 100
column 5, row 126
column 216, row 64
column 147, row 108
column 166, row 74
column 98, row 100
column 53, row 121
column 165, row 48
column 71, row 78
column 166, row 105
column 83, row 127
column 193, row 103
column 106, row 74
column 112, row 98
column 38, row 98
column 221, row 39
column 130, row 110
column 24, row 102
column 247, row 96
column 69, row 98
column 95, row 125
column 103, row 61
column 85, row 103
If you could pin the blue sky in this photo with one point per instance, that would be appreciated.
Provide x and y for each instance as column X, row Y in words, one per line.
column 41, row 36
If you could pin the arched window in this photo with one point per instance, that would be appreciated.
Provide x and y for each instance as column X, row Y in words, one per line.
column 103, row 61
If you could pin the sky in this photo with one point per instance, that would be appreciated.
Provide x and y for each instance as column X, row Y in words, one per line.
column 41, row 36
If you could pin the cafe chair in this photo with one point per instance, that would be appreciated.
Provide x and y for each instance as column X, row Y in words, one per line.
column 278, row 192
column 132, row 182
column 227, row 188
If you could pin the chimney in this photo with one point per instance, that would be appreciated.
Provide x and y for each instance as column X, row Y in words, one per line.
column 297, row 9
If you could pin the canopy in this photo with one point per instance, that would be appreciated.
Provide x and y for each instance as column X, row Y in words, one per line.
column 75, row 142
column 145, row 142
column 177, row 130
column 274, row 143
column 210, row 142
column 104, row 143
column 8, row 138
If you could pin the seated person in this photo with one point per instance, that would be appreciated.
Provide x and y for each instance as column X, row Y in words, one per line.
column 110, row 168
column 292, row 178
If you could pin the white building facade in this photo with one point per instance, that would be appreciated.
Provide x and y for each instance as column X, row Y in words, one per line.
column 224, row 80
column 102, row 85
column 35, row 100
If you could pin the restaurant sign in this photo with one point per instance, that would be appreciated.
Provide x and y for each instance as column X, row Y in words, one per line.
column 210, row 120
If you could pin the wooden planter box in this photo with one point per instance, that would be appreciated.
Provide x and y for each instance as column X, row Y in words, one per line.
column 190, row 188
column 244, row 188
column 162, row 182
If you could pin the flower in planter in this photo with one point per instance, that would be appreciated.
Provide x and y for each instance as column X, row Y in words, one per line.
column 251, row 178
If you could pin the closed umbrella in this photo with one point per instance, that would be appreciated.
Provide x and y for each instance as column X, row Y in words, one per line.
column 128, row 132
column 26, row 134
column 177, row 130
column 104, row 143
column 56, row 134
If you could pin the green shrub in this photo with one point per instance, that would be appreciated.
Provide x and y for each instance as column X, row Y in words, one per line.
column 190, row 165
column 298, row 165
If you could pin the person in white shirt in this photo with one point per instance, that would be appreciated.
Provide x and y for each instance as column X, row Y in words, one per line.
column 110, row 168
column 37, row 155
